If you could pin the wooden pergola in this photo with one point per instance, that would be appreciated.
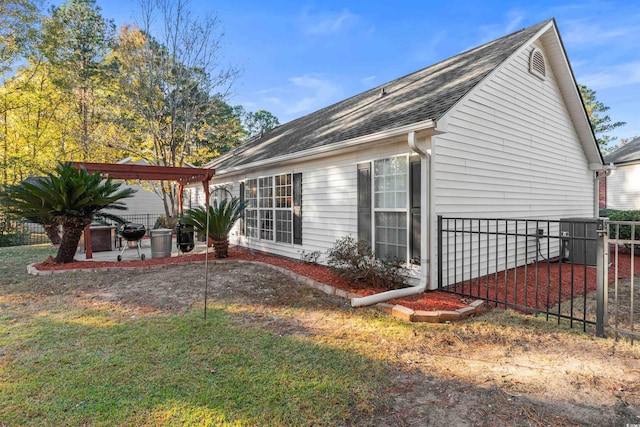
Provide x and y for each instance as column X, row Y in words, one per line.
column 183, row 176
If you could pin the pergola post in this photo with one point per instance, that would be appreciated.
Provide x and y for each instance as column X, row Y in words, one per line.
column 87, row 242
column 205, row 184
column 147, row 173
column 180, row 198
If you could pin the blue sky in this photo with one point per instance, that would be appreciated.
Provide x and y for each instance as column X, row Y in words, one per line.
column 299, row 56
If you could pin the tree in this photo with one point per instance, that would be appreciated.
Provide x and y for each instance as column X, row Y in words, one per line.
column 221, row 131
column 19, row 24
column 601, row 124
column 33, row 129
column 259, row 122
column 76, row 40
column 172, row 82
column 19, row 20
column 69, row 197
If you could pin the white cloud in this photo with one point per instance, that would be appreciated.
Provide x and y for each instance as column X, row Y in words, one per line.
column 301, row 95
column 368, row 81
column 514, row 19
column 427, row 51
column 613, row 76
column 587, row 33
column 314, row 92
column 328, row 23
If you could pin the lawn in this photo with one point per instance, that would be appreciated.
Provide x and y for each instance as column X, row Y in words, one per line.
column 71, row 362
column 117, row 349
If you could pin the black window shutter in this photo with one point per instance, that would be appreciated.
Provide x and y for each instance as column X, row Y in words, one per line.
column 364, row 203
column 415, row 185
column 241, row 225
column 297, row 208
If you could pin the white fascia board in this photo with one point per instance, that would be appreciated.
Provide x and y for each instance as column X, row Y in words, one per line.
column 332, row 149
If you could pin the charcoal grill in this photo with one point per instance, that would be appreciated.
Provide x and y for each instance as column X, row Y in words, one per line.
column 184, row 237
column 132, row 233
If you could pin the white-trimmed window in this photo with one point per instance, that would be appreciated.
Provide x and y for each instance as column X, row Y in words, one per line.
column 265, row 210
column 389, row 207
column 251, row 211
column 390, row 184
column 272, row 212
column 283, row 205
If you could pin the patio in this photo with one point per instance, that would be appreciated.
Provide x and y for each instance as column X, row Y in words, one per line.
column 131, row 254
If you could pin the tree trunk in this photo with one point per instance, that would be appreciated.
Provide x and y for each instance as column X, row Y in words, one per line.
column 52, row 233
column 71, row 232
column 221, row 248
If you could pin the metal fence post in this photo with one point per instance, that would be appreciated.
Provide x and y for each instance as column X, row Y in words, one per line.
column 602, row 284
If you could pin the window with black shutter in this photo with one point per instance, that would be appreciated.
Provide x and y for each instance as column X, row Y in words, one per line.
column 364, row 202
column 390, row 189
column 414, row 184
column 241, row 221
column 297, row 208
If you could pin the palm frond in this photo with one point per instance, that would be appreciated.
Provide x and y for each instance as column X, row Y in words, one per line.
column 222, row 217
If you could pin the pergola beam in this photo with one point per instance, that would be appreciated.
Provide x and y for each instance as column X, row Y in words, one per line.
column 181, row 175
column 148, row 173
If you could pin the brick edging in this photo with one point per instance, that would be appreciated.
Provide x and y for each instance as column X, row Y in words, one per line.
column 397, row 311
column 435, row 316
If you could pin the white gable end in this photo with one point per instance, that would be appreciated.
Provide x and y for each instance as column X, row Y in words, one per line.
column 511, row 147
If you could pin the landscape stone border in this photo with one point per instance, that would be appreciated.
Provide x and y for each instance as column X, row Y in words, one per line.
column 395, row 310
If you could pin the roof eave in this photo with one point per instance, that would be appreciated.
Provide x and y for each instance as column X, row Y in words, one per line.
column 428, row 126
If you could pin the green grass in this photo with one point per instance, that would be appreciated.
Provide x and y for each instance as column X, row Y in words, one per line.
column 62, row 363
column 71, row 356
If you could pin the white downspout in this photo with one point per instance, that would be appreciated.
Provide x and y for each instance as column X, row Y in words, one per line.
column 607, row 169
column 423, row 152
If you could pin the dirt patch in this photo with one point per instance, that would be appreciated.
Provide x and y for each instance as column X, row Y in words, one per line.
column 499, row 369
column 433, row 300
column 494, row 370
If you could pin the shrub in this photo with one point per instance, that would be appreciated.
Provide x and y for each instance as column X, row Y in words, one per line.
column 354, row 260
column 625, row 230
column 19, row 236
column 13, row 231
column 606, row 213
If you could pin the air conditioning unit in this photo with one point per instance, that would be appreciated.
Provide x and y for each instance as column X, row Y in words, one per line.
column 579, row 240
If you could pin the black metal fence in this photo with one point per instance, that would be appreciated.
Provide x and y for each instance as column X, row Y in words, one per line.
column 624, row 290
column 543, row 267
column 16, row 231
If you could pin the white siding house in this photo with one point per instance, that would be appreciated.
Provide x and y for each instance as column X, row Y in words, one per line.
column 623, row 183
column 498, row 131
column 145, row 205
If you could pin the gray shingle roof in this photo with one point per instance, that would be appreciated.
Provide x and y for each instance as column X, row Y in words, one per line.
column 424, row 95
column 629, row 152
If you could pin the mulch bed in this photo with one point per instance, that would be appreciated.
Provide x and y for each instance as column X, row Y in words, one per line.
column 556, row 282
column 430, row 300
column 543, row 285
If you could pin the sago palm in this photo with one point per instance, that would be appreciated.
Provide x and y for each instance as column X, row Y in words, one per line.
column 70, row 197
column 222, row 217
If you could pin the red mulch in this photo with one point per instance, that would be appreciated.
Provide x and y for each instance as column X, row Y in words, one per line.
column 556, row 282
column 431, row 300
